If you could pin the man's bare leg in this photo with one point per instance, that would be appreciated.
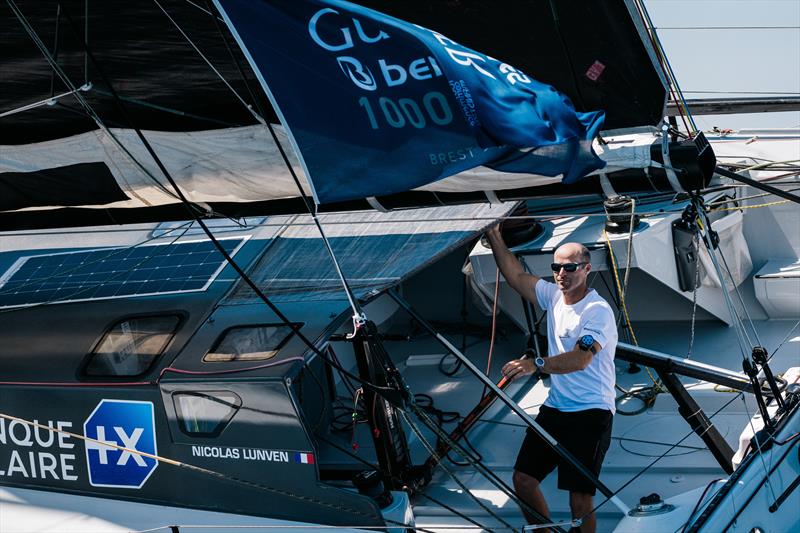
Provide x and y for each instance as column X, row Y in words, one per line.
column 527, row 487
column 581, row 504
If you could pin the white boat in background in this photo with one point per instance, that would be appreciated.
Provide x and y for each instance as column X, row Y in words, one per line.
column 187, row 348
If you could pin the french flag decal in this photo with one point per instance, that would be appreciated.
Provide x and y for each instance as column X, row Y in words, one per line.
column 305, row 458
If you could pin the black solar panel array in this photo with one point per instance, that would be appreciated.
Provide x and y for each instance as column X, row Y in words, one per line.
column 113, row 272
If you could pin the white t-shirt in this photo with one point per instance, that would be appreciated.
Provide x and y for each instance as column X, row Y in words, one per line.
column 592, row 387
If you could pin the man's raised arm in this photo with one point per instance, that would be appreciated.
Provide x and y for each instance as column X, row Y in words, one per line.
column 521, row 281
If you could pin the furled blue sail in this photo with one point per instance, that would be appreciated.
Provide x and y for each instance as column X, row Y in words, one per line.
column 375, row 105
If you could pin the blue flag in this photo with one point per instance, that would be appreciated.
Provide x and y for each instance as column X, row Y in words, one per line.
column 375, row 105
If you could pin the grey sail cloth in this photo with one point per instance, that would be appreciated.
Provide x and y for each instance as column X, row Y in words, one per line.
column 234, row 165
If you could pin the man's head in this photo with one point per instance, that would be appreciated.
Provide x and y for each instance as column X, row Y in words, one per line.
column 572, row 260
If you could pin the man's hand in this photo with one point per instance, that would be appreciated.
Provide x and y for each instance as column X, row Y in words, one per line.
column 512, row 270
column 518, row 368
column 494, row 232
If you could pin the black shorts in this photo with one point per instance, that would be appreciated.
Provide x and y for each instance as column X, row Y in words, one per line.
column 585, row 434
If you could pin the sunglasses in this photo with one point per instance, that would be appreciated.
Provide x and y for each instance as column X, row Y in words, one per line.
column 569, row 267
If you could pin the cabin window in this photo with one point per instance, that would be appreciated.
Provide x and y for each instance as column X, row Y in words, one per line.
column 130, row 346
column 251, row 343
column 205, row 414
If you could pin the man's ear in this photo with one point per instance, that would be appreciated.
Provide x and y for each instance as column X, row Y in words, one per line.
column 588, row 267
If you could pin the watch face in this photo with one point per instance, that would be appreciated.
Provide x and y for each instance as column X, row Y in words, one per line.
column 586, row 342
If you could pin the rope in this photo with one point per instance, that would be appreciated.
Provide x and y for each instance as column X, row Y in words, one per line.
column 696, row 242
column 488, row 474
column 440, row 463
column 741, row 302
column 47, row 101
column 81, row 100
column 494, row 326
column 387, row 475
column 757, row 442
column 705, row 227
column 742, row 207
column 785, row 338
column 666, row 67
column 658, row 387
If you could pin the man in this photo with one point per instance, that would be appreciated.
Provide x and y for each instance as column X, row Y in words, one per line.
column 582, row 339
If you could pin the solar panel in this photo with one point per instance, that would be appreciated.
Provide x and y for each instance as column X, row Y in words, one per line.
column 114, row 272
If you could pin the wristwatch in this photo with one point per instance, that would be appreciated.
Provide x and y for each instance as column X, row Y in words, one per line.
column 539, row 362
column 587, row 343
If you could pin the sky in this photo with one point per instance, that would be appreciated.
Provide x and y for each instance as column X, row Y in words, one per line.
column 747, row 59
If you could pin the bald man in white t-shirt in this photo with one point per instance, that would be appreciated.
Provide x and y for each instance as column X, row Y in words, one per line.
column 578, row 412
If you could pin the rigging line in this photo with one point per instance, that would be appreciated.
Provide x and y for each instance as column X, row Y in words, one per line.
column 742, row 207
column 767, row 164
column 705, row 226
column 658, row 386
column 567, row 56
column 358, row 315
column 170, row 110
column 452, row 476
column 727, row 27
column 696, row 243
column 85, row 39
column 47, row 101
column 55, row 50
column 87, row 107
column 666, row 66
column 784, row 340
column 757, row 441
column 630, row 245
column 397, row 527
column 647, row 467
column 741, row 300
column 249, row 107
column 295, row 327
column 751, row 197
column 697, row 506
column 554, row 445
column 218, row 24
column 780, row 93
column 386, row 474
column 201, row 8
column 494, row 327
column 180, row 464
column 490, row 476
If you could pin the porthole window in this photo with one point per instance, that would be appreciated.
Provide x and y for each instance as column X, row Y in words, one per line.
column 205, row 414
column 250, row 343
column 130, row 346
